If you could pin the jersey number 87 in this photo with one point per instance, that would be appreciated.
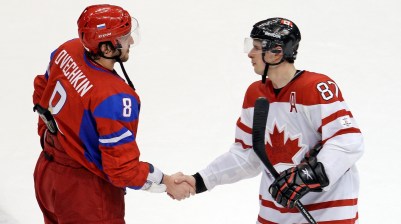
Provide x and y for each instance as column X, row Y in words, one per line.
column 325, row 91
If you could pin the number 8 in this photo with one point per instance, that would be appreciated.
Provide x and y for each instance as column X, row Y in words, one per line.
column 127, row 107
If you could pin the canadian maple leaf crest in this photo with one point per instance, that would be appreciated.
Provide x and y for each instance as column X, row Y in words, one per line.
column 281, row 149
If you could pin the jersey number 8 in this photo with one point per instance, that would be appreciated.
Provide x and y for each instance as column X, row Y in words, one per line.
column 127, row 107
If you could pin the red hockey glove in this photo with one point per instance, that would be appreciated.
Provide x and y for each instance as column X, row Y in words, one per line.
column 294, row 183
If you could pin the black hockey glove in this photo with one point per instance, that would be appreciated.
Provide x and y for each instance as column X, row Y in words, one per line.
column 294, row 183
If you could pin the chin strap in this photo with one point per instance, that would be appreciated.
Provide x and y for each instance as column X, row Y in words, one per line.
column 267, row 66
column 125, row 73
column 118, row 59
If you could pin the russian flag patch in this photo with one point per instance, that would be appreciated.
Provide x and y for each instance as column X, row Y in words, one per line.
column 101, row 26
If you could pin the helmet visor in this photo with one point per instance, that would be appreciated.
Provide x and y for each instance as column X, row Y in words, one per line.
column 132, row 38
column 258, row 46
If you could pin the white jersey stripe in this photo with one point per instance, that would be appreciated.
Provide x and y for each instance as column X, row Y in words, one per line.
column 115, row 139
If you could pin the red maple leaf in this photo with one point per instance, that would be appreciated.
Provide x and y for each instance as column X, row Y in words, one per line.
column 281, row 150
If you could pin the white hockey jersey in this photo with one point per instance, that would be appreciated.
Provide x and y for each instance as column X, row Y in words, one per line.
column 308, row 110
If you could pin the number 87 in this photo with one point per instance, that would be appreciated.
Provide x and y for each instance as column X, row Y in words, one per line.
column 325, row 91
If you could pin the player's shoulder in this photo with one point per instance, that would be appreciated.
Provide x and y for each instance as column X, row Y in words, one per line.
column 254, row 87
column 75, row 42
column 68, row 56
column 309, row 77
column 254, row 91
column 115, row 104
column 309, row 82
column 72, row 45
column 107, row 87
column 316, row 88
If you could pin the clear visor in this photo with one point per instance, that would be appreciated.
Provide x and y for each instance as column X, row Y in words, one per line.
column 132, row 38
column 258, row 46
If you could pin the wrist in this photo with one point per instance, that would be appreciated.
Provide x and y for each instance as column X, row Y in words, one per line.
column 155, row 175
column 199, row 183
column 165, row 178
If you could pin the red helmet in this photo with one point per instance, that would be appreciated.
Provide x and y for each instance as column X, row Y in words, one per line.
column 100, row 23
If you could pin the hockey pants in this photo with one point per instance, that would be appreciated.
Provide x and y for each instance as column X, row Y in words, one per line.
column 67, row 193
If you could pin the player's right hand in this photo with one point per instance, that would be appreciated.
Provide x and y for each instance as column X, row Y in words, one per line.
column 178, row 190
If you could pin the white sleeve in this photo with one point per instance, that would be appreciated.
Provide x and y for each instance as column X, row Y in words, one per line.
column 233, row 166
column 342, row 138
column 339, row 154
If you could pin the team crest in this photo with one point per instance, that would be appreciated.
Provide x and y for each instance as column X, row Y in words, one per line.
column 282, row 148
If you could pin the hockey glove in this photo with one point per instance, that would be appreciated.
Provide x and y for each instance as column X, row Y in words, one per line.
column 294, row 183
column 154, row 181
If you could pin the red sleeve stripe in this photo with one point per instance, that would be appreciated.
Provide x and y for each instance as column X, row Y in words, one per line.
column 243, row 127
column 244, row 146
column 333, row 117
column 342, row 132
column 342, row 221
column 311, row 207
column 264, row 221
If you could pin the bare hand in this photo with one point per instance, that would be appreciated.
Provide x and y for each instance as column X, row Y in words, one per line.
column 186, row 179
column 179, row 190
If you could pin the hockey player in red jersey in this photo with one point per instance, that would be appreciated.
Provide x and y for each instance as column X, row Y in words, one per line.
column 89, row 125
column 307, row 109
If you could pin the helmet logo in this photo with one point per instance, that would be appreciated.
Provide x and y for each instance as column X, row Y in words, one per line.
column 101, row 26
column 275, row 35
column 104, row 35
column 286, row 22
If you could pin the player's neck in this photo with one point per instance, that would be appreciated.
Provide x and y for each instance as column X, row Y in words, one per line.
column 106, row 63
column 281, row 74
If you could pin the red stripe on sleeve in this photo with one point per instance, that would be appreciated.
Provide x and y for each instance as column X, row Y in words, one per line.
column 243, row 127
column 311, row 207
column 342, row 132
column 342, row 221
column 333, row 117
column 244, row 146
column 264, row 221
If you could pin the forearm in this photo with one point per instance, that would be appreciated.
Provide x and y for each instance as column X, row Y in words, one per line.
column 233, row 166
column 134, row 175
column 338, row 159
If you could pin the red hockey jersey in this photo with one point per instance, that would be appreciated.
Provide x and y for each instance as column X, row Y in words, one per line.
column 96, row 114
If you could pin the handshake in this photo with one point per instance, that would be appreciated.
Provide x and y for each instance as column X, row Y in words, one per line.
column 178, row 186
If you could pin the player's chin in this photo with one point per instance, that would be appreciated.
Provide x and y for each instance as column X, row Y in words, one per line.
column 124, row 58
column 258, row 71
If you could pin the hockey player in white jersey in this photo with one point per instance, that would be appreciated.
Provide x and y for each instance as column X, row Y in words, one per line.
column 307, row 109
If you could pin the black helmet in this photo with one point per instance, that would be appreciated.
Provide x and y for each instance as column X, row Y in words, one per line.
column 278, row 32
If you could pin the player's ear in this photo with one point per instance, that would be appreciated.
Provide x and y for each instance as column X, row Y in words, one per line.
column 277, row 50
column 103, row 48
column 106, row 48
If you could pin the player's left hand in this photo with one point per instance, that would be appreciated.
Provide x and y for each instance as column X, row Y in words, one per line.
column 294, row 183
column 178, row 190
